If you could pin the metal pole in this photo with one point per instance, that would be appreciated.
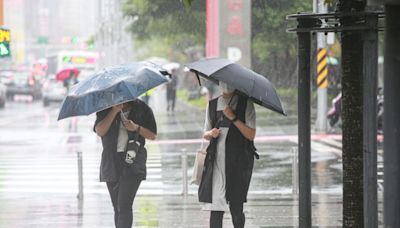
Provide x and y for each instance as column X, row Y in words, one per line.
column 370, row 124
column 322, row 105
column 80, row 176
column 184, row 173
column 391, row 117
column 304, row 50
column 295, row 172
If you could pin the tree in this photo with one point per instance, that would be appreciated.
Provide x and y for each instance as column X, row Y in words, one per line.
column 172, row 28
column 174, row 25
column 273, row 49
column 352, row 116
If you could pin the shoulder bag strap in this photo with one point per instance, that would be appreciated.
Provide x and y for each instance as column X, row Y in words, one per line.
column 212, row 111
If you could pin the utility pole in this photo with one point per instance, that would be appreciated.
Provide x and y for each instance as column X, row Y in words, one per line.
column 322, row 72
column 391, row 116
column 358, row 30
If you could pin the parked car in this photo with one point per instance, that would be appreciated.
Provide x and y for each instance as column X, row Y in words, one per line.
column 22, row 83
column 3, row 95
column 53, row 91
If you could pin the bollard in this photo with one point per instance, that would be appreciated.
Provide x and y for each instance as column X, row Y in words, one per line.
column 184, row 172
column 80, row 176
column 295, row 172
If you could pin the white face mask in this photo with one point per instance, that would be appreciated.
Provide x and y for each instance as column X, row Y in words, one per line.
column 226, row 88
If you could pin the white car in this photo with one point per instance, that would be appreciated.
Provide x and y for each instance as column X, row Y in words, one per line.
column 53, row 91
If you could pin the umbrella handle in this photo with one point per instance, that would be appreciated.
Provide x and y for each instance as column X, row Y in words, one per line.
column 234, row 93
column 198, row 79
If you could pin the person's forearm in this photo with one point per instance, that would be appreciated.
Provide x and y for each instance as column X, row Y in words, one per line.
column 146, row 133
column 247, row 132
column 103, row 126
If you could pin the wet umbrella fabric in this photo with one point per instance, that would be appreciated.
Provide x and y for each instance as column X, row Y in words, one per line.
column 66, row 73
column 255, row 86
column 111, row 86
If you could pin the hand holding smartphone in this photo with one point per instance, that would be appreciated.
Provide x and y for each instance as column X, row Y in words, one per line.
column 125, row 122
column 123, row 117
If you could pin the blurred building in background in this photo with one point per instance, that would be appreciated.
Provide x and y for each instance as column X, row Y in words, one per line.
column 112, row 41
column 43, row 27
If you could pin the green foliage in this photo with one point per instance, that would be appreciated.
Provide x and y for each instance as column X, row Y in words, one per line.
column 200, row 102
column 328, row 2
column 269, row 26
column 187, row 3
column 273, row 48
column 168, row 22
column 174, row 28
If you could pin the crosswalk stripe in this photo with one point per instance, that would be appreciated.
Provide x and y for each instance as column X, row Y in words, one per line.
column 45, row 171
column 332, row 142
column 52, row 176
column 59, row 174
column 321, row 147
column 99, row 190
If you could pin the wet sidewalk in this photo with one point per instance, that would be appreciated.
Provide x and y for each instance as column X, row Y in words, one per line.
column 38, row 189
column 168, row 211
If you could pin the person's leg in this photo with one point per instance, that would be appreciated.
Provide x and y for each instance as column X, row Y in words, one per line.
column 216, row 218
column 113, row 190
column 173, row 98
column 127, row 192
column 238, row 218
column 168, row 99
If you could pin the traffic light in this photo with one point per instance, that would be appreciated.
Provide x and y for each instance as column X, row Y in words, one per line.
column 5, row 38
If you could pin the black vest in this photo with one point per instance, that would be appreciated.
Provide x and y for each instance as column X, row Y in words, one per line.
column 239, row 153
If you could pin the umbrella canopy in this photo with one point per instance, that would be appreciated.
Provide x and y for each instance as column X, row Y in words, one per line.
column 255, row 86
column 66, row 73
column 111, row 86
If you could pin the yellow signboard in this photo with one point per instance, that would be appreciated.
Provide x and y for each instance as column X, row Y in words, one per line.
column 4, row 35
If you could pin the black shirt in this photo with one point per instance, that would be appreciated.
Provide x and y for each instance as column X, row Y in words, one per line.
column 142, row 115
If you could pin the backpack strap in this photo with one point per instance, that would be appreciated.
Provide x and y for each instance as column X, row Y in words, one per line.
column 212, row 111
column 240, row 111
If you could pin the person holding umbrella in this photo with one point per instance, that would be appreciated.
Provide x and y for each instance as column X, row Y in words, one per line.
column 123, row 122
column 115, row 126
column 230, row 119
column 230, row 127
column 171, row 90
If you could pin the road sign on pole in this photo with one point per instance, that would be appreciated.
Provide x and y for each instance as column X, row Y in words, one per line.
column 5, row 38
column 322, row 71
column 322, row 68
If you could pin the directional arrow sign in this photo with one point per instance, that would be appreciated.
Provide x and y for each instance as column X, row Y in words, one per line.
column 4, row 49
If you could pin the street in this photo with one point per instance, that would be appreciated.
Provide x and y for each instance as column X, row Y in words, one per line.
column 39, row 171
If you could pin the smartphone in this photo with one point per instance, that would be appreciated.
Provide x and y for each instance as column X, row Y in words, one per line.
column 123, row 117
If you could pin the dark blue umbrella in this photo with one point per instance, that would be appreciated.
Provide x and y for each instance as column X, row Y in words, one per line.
column 255, row 86
column 111, row 86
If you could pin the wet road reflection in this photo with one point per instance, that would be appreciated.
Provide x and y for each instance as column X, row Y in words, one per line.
column 38, row 159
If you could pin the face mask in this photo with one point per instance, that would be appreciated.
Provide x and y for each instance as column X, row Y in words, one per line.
column 226, row 88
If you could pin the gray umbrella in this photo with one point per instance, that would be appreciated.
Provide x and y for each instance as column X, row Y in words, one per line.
column 255, row 86
column 111, row 86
